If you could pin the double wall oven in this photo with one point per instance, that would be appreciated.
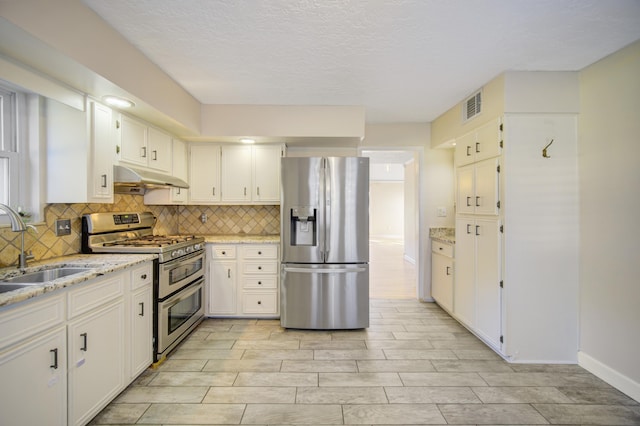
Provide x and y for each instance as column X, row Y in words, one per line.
column 178, row 291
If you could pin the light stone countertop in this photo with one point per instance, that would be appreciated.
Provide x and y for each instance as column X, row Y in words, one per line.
column 242, row 239
column 100, row 264
column 443, row 235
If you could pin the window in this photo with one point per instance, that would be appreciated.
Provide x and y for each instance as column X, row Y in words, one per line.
column 9, row 155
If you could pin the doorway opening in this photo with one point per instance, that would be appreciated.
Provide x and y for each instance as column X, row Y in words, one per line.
column 393, row 224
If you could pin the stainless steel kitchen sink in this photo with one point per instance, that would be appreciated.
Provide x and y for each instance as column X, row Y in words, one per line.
column 39, row 277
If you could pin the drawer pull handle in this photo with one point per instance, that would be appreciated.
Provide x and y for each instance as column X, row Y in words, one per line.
column 154, row 155
column 55, row 358
column 477, row 146
column 84, row 342
column 477, row 230
column 104, row 181
column 468, row 231
column 144, row 152
column 468, row 153
column 468, row 201
column 214, row 191
column 448, row 268
column 141, row 309
column 477, row 201
column 229, row 273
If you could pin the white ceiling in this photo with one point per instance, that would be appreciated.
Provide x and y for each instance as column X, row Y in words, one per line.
column 404, row 60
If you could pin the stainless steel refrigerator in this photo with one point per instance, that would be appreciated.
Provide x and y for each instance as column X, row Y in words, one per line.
column 325, row 243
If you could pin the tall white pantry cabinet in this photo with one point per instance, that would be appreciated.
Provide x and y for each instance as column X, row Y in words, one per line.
column 516, row 254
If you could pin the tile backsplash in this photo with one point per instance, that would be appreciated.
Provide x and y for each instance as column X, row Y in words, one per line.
column 260, row 220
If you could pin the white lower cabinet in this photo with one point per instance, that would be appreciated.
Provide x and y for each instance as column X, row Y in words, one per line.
column 243, row 280
column 96, row 361
column 66, row 353
column 34, row 381
column 477, row 292
column 442, row 274
column 140, row 312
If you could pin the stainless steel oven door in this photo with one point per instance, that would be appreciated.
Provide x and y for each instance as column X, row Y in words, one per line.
column 178, row 273
column 178, row 315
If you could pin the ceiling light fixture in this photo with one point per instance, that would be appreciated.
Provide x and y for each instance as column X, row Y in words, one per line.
column 248, row 140
column 118, row 102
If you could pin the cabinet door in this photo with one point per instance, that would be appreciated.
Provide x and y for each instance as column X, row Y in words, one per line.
column 133, row 141
column 465, row 184
column 465, row 147
column 96, row 361
column 485, row 200
column 141, row 331
column 442, row 280
column 236, row 173
column 464, row 297
column 487, row 144
column 266, row 178
column 159, row 150
column 180, row 170
column 103, row 144
column 222, row 288
column 204, row 174
column 488, row 291
column 35, row 372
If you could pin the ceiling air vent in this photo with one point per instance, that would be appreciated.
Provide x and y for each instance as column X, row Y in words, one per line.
column 472, row 106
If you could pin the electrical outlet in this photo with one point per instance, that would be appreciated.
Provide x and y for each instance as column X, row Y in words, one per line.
column 63, row 227
column 442, row 212
column 203, row 218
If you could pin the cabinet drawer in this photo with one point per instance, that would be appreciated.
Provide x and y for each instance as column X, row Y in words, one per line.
column 223, row 252
column 30, row 318
column 270, row 282
column 142, row 275
column 94, row 294
column 268, row 267
column 442, row 248
column 260, row 252
column 260, row 302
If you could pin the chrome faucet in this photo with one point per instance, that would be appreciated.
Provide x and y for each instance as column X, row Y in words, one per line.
column 17, row 225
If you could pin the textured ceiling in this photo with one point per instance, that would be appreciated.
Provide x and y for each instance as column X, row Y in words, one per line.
column 404, row 60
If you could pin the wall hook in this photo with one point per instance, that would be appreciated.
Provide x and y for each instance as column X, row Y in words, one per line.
column 544, row 150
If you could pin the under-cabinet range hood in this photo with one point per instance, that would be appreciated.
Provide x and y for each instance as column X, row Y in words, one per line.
column 131, row 180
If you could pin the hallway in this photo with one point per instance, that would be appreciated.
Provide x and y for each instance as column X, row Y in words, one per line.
column 390, row 275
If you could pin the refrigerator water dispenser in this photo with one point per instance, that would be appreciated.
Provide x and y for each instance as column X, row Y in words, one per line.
column 303, row 226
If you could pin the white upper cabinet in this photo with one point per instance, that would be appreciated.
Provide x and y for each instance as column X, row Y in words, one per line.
column 251, row 174
column 180, row 169
column 479, row 144
column 266, row 173
column 80, row 153
column 204, row 174
column 236, row 173
column 144, row 146
column 478, row 187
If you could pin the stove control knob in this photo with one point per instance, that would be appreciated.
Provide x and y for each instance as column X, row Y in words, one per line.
column 197, row 246
column 174, row 253
column 189, row 249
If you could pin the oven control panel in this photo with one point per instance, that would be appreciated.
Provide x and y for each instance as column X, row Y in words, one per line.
column 126, row 218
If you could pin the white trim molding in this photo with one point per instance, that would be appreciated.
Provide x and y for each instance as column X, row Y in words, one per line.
column 614, row 378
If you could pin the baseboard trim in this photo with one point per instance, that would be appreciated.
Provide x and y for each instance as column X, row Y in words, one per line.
column 614, row 378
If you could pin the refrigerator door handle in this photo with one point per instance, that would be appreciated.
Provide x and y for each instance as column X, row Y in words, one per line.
column 324, row 270
column 327, row 204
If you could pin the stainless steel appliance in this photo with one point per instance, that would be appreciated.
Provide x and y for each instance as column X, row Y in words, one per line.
column 325, row 243
column 178, row 274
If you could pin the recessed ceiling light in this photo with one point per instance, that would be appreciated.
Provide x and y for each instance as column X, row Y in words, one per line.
column 117, row 102
column 247, row 140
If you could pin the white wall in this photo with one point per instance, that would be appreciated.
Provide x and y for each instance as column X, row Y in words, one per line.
column 608, row 154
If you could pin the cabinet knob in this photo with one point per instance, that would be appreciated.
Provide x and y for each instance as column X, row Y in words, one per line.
column 259, row 268
column 143, row 276
column 260, row 252
column 259, row 302
column 224, row 252
column 259, row 282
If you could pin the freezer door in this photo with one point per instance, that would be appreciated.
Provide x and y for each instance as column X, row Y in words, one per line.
column 302, row 209
column 324, row 297
column 347, row 210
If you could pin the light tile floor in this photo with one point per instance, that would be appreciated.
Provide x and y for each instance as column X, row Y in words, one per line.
column 413, row 365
